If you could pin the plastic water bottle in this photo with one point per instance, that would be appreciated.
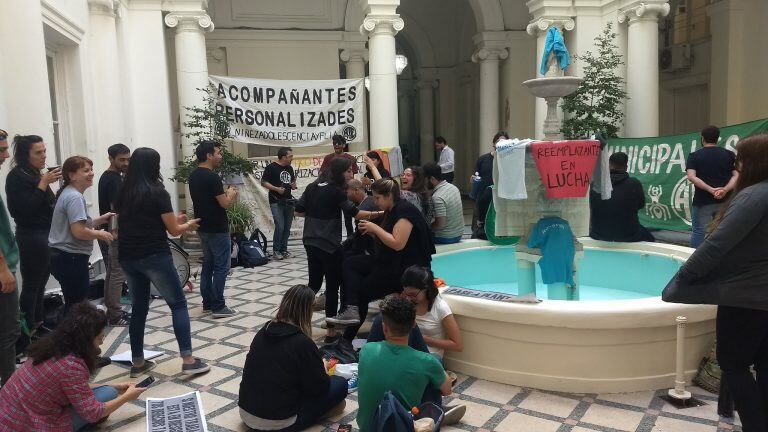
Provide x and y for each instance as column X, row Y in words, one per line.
column 476, row 182
column 352, row 383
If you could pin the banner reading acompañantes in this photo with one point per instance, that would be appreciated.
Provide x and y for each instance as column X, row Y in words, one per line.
column 659, row 164
column 291, row 113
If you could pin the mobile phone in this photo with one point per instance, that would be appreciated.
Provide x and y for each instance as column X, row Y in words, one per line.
column 53, row 168
column 146, row 383
column 344, row 428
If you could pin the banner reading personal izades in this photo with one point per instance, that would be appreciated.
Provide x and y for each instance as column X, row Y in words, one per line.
column 291, row 113
column 659, row 164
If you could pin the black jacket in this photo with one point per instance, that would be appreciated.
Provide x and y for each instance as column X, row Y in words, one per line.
column 283, row 368
column 616, row 219
column 30, row 207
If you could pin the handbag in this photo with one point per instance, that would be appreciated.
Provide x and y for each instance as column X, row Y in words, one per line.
column 340, row 349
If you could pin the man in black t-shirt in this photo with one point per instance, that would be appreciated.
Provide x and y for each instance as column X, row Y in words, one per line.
column 210, row 202
column 280, row 179
column 712, row 170
column 484, row 167
column 109, row 187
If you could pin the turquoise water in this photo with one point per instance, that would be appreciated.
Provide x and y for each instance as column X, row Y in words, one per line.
column 603, row 275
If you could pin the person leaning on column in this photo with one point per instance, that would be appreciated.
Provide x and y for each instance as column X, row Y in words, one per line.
column 9, row 300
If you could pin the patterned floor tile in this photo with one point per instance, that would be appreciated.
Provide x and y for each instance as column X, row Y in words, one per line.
column 256, row 292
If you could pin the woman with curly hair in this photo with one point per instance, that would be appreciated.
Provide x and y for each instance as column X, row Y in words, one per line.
column 50, row 392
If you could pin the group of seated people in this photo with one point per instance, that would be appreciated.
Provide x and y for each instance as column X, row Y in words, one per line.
column 286, row 384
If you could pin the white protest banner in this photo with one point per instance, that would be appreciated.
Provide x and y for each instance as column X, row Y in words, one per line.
column 176, row 414
column 291, row 113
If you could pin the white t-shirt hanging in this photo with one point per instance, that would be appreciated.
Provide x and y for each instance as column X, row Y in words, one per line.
column 431, row 323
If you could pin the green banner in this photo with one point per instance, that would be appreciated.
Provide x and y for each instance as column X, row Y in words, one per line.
column 659, row 164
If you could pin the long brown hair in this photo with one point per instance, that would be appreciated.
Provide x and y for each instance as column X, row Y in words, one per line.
column 74, row 335
column 296, row 308
column 752, row 165
column 71, row 165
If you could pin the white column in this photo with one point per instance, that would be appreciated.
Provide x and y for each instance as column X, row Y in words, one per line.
column 25, row 73
column 191, row 65
column 728, row 66
column 517, row 115
column 144, row 63
column 643, row 67
column 104, row 78
column 404, row 112
column 426, row 87
column 381, row 31
column 355, row 60
column 488, row 125
column 539, row 28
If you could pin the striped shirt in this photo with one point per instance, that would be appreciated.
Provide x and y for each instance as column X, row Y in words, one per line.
column 446, row 200
column 39, row 397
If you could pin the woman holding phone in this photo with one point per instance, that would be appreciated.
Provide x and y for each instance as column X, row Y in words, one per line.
column 146, row 218
column 31, row 202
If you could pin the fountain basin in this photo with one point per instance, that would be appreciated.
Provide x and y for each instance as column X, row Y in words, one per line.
column 621, row 340
column 548, row 87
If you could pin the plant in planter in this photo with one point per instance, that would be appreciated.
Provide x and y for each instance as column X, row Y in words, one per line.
column 596, row 106
column 206, row 123
column 241, row 220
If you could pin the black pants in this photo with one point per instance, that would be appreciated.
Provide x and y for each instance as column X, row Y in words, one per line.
column 321, row 264
column 71, row 270
column 742, row 341
column 35, row 268
column 363, row 283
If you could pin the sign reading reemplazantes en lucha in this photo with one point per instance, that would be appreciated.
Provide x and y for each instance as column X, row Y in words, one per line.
column 291, row 113
column 659, row 164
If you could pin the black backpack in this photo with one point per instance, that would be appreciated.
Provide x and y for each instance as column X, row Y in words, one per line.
column 251, row 252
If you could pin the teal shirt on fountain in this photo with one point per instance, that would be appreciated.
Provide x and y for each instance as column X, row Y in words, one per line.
column 554, row 237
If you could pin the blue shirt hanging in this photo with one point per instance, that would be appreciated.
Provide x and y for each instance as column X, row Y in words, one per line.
column 555, row 44
column 554, row 237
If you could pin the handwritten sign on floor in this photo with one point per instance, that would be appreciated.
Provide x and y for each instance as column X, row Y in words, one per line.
column 490, row 295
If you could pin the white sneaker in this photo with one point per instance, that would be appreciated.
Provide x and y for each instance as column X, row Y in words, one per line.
column 454, row 414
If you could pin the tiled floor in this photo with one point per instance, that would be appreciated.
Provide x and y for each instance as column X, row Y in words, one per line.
column 490, row 406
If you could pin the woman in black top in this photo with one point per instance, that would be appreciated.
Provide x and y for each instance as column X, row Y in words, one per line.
column 145, row 219
column 322, row 204
column 285, row 385
column 403, row 239
column 31, row 202
column 375, row 170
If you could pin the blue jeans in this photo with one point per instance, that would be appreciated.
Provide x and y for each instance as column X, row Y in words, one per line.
column 217, row 255
column 282, row 213
column 159, row 270
column 71, row 271
column 103, row 394
column 447, row 240
column 415, row 341
column 701, row 217
column 312, row 409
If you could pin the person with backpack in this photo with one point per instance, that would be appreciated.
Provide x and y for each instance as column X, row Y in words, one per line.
column 285, row 384
column 393, row 366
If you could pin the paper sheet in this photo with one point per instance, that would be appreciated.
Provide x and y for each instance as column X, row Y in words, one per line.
column 127, row 358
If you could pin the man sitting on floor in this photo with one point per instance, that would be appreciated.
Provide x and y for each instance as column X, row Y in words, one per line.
column 393, row 366
column 446, row 199
column 616, row 219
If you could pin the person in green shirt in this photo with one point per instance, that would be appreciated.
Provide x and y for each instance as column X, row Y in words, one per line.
column 393, row 366
column 9, row 299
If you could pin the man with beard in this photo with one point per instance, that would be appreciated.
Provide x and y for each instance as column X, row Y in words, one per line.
column 109, row 187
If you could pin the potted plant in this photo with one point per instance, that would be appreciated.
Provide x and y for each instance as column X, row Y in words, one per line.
column 241, row 220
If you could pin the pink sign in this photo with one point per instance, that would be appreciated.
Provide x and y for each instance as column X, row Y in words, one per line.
column 566, row 167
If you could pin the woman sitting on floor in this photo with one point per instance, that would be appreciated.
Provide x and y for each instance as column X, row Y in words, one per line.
column 285, row 385
column 51, row 390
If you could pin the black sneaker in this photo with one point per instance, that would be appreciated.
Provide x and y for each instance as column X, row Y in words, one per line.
column 146, row 367
column 102, row 361
column 224, row 312
column 195, row 368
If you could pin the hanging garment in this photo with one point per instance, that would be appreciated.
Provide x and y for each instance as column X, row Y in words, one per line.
column 555, row 44
column 511, row 165
column 554, row 237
